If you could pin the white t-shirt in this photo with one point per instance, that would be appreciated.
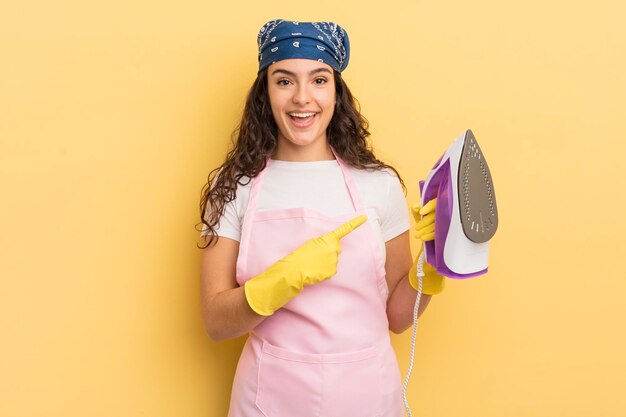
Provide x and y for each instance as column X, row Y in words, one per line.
column 320, row 186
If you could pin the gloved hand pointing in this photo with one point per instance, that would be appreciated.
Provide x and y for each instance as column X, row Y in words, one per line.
column 315, row 261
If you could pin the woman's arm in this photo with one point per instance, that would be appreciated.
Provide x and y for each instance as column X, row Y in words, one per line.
column 225, row 310
column 401, row 301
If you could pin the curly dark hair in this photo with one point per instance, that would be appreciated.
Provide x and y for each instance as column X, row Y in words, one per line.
column 255, row 140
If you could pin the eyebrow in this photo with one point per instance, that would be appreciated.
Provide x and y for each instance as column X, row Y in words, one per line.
column 315, row 71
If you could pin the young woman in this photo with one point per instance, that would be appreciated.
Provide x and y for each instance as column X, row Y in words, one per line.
column 307, row 241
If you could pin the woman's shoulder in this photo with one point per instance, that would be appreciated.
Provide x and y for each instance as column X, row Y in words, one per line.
column 376, row 185
column 242, row 185
column 240, row 181
column 375, row 176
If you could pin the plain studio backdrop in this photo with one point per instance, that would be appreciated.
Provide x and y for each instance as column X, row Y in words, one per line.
column 113, row 113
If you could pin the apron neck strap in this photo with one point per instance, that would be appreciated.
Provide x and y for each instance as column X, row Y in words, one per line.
column 347, row 176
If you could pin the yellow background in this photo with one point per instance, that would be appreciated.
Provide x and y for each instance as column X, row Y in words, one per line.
column 112, row 114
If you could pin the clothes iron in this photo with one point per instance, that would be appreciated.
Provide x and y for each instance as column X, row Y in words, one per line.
column 466, row 219
column 467, row 215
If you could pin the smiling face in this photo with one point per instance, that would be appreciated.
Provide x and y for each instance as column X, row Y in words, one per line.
column 302, row 97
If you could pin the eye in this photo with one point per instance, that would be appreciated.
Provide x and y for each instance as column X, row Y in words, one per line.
column 283, row 82
column 320, row 81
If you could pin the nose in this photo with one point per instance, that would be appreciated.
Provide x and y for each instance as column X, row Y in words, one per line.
column 302, row 94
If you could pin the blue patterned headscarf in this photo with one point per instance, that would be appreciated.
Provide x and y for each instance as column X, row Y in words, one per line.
column 321, row 41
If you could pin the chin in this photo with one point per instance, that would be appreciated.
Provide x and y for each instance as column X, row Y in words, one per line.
column 301, row 140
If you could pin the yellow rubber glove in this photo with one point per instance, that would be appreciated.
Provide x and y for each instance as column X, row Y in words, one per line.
column 315, row 261
column 433, row 283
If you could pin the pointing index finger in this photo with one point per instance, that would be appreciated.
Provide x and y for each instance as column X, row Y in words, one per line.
column 348, row 227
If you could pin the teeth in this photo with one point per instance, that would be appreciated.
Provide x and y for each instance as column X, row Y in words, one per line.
column 301, row 114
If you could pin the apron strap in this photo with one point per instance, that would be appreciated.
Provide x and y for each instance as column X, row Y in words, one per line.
column 255, row 188
column 347, row 176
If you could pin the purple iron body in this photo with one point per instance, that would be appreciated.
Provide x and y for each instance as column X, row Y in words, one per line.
column 466, row 216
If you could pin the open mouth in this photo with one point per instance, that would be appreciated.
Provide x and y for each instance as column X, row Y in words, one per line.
column 302, row 119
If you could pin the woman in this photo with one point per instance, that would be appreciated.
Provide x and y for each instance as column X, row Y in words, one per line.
column 307, row 241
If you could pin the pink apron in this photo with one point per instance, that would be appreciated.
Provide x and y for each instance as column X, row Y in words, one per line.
column 327, row 352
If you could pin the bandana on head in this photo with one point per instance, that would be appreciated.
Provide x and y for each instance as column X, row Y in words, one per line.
column 321, row 41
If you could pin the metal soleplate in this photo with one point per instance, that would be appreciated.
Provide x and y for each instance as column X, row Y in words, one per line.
column 477, row 199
